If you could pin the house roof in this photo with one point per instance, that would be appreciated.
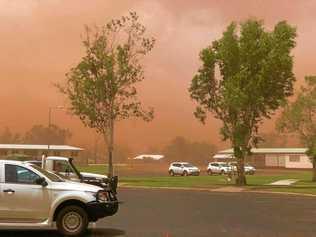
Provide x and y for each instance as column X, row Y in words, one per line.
column 39, row 147
column 223, row 156
column 270, row 151
column 153, row 157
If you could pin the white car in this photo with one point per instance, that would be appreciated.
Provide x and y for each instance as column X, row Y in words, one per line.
column 33, row 197
column 218, row 168
column 183, row 168
column 249, row 169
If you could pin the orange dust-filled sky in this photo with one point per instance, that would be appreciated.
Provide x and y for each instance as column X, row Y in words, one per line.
column 41, row 40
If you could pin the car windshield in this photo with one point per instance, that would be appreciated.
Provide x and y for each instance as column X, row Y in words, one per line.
column 52, row 177
column 188, row 165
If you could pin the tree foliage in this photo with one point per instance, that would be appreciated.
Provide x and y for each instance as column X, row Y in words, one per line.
column 182, row 149
column 38, row 134
column 300, row 117
column 102, row 87
column 52, row 135
column 255, row 77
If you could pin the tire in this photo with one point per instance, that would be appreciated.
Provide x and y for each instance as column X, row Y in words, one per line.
column 72, row 221
column 222, row 172
column 209, row 172
column 185, row 173
column 171, row 173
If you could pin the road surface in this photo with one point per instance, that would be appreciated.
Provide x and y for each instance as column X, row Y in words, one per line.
column 175, row 213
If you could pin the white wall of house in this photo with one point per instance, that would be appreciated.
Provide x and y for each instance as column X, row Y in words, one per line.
column 275, row 160
column 298, row 161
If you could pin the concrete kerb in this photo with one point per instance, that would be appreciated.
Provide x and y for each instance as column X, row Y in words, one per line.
column 229, row 189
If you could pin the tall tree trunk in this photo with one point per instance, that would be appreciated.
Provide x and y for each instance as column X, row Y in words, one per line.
column 314, row 169
column 241, row 177
column 110, row 149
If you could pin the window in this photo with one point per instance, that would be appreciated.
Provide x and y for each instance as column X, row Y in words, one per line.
column 49, row 175
column 61, row 166
column 18, row 174
column 294, row 158
column 177, row 165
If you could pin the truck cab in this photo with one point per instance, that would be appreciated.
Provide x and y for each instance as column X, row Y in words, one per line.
column 33, row 197
column 64, row 167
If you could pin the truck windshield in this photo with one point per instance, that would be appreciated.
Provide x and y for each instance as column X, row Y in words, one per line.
column 52, row 177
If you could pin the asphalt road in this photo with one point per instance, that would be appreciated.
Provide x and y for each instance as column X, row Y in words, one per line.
column 162, row 213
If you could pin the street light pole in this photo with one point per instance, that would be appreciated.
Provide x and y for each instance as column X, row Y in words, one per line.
column 50, row 122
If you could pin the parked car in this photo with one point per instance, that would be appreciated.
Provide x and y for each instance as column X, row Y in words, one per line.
column 33, row 197
column 183, row 168
column 218, row 168
column 249, row 169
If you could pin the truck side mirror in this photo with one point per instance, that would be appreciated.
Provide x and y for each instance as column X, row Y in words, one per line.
column 41, row 181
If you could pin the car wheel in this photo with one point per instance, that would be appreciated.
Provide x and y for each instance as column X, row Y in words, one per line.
column 209, row 172
column 171, row 173
column 222, row 172
column 185, row 173
column 72, row 221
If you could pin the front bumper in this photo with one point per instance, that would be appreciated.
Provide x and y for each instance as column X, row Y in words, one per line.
column 97, row 210
column 196, row 173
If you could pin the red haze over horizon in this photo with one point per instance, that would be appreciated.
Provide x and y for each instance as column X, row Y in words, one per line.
column 40, row 42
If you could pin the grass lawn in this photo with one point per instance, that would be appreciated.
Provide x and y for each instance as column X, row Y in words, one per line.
column 257, row 182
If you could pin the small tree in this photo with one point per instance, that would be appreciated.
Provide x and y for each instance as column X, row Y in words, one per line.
column 300, row 117
column 102, row 87
column 255, row 77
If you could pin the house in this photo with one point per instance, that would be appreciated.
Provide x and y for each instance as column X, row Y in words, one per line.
column 272, row 157
column 148, row 157
column 36, row 151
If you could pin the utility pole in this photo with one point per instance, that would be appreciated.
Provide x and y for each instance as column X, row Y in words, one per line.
column 50, row 123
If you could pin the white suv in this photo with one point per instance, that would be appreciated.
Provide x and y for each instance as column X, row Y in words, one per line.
column 218, row 168
column 33, row 197
column 183, row 168
column 249, row 169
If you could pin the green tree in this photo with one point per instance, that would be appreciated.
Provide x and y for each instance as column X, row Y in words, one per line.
column 40, row 134
column 102, row 87
column 245, row 76
column 300, row 117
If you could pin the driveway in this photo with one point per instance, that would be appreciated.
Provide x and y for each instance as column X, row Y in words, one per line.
column 175, row 213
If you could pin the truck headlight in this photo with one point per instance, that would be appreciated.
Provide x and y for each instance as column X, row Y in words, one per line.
column 102, row 196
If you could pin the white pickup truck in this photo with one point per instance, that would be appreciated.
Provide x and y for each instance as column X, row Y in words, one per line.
column 64, row 166
column 33, row 197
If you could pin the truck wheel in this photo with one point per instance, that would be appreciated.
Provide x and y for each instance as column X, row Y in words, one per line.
column 72, row 221
column 185, row 173
column 209, row 172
